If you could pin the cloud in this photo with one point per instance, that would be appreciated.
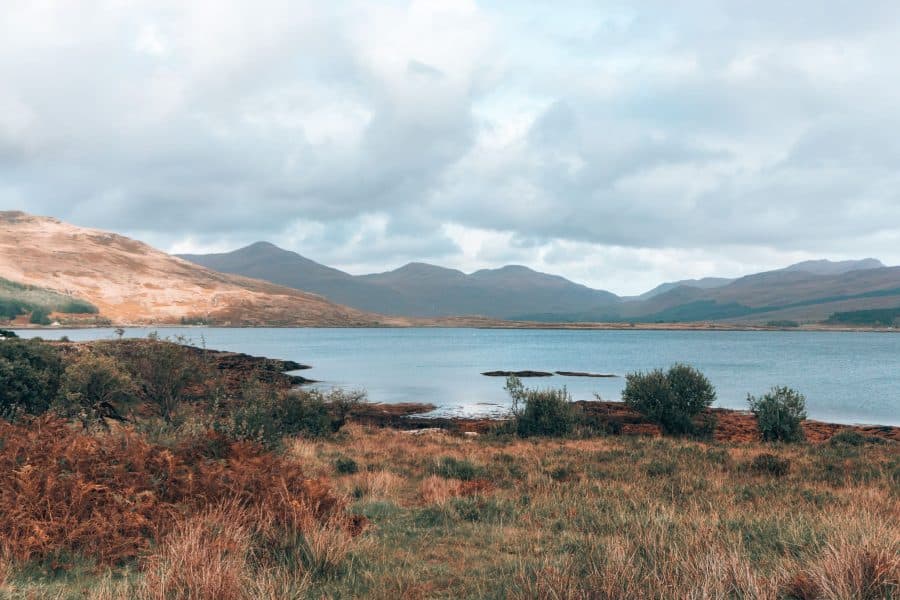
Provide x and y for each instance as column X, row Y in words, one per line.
column 616, row 145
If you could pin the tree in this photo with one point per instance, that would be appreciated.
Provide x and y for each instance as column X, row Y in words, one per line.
column 670, row 398
column 779, row 414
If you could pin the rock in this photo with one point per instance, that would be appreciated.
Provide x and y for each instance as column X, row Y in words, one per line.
column 583, row 374
column 518, row 373
column 425, row 431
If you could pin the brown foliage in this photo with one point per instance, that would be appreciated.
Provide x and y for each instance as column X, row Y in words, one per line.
column 64, row 491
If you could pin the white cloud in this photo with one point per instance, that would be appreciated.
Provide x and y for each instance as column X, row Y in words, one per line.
column 617, row 145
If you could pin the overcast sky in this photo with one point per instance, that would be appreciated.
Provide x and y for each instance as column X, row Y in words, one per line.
column 619, row 146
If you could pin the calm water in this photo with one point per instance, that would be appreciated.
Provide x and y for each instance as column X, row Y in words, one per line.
column 846, row 377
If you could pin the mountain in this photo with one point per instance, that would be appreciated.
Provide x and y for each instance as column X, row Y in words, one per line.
column 827, row 267
column 807, row 291
column 704, row 284
column 816, row 267
column 129, row 282
column 416, row 289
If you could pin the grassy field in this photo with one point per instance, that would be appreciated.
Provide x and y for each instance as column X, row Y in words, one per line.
column 187, row 504
column 612, row 517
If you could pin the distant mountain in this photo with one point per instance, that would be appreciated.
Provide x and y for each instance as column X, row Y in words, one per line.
column 129, row 282
column 807, row 291
column 704, row 284
column 827, row 267
column 416, row 289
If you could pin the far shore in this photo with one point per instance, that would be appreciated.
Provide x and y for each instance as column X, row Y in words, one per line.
column 480, row 323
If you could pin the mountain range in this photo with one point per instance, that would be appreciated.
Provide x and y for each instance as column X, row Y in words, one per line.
column 53, row 269
column 805, row 292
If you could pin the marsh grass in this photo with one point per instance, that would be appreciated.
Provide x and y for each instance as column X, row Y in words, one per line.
column 605, row 517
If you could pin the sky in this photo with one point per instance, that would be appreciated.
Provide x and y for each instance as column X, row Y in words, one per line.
column 617, row 144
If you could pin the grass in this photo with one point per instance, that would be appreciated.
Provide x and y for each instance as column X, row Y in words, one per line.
column 607, row 517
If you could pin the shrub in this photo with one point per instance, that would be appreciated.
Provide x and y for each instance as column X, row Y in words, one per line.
column 266, row 415
column 779, row 414
column 39, row 316
column 769, row 464
column 672, row 399
column 76, row 306
column 540, row 412
column 848, row 437
column 452, row 468
column 29, row 377
column 94, row 387
column 163, row 370
column 6, row 333
column 345, row 465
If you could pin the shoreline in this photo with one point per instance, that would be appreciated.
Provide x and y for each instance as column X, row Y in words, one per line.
column 502, row 325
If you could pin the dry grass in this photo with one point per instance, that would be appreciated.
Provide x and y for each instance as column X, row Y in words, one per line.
column 64, row 492
column 607, row 517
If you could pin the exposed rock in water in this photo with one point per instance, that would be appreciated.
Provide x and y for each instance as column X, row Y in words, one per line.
column 518, row 373
column 583, row 374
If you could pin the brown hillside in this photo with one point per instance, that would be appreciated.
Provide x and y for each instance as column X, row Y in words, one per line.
column 133, row 283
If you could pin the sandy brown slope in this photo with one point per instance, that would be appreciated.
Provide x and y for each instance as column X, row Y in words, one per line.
column 133, row 283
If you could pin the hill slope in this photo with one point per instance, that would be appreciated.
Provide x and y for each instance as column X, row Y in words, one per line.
column 131, row 282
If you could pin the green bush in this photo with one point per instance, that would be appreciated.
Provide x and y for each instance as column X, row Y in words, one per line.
column 39, row 316
column 30, row 373
column 540, row 412
column 6, row 333
column 345, row 465
column 94, row 387
column 77, row 307
column 163, row 370
column 452, row 468
column 779, row 414
column 848, row 437
column 769, row 464
column 266, row 415
column 670, row 398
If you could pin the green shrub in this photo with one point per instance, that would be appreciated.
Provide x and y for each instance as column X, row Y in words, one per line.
column 163, row 370
column 6, row 333
column 452, row 468
column 77, row 307
column 266, row 415
column 848, row 437
column 30, row 372
column 779, row 414
column 345, row 465
column 94, row 387
column 660, row 468
column 672, row 399
column 769, row 464
column 39, row 316
column 540, row 412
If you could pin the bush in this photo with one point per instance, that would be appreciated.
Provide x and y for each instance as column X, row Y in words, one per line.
column 540, row 412
column 769, row 464
column 29, row 377
column 848, row 437
column 672, row 399
column 452, row 468
column 162, row 370
column 39, row 316
column 345, row 465
column 266, row 415
column 6, row 333
column 779, row 414
column 94, row 387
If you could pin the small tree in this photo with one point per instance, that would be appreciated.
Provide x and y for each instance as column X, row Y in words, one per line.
column 670, row 398
column 39, row 316
column 779, row 414
column 540, row 412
